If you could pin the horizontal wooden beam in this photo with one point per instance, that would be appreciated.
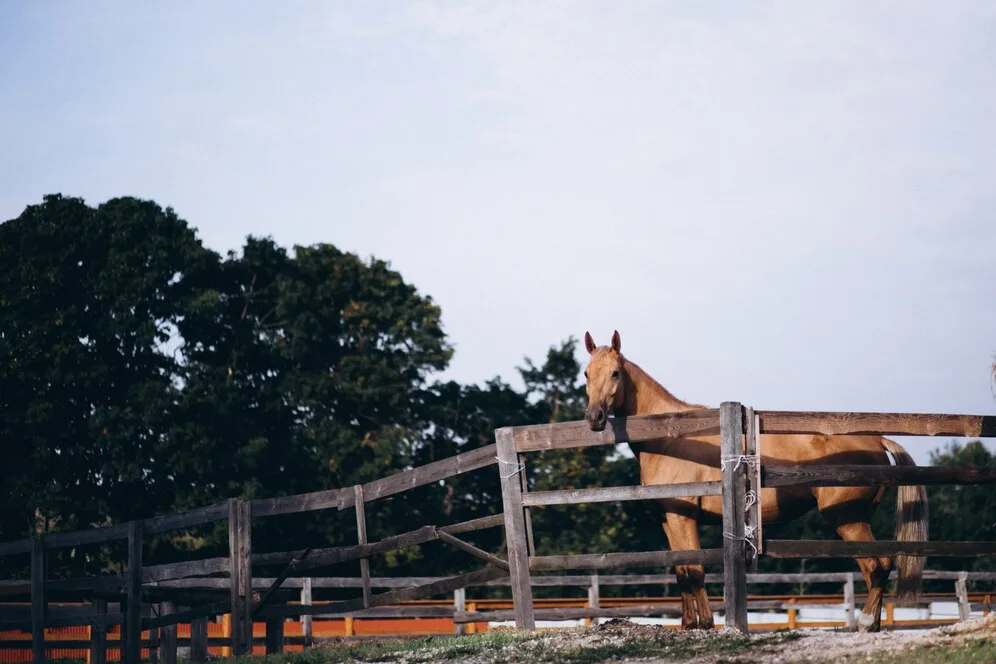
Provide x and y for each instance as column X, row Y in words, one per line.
column 304, row 502
column 638, row 559
column 620, row 493
column 480, row 523
column 837, row 549
column 885, row 424
column 638, row 429
column 853, row 475
column 467, row 547
column 340, row 554
column 422, row 475
column 356, row 605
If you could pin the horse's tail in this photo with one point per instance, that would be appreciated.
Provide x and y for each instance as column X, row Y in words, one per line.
column 911, row 526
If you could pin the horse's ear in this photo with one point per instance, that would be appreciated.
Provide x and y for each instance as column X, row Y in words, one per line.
column 589, row 343
column 616, row 343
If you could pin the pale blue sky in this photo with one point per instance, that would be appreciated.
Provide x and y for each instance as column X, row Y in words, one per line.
column 787, row 204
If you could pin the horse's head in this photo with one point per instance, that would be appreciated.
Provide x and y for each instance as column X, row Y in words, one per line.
column 604, row 382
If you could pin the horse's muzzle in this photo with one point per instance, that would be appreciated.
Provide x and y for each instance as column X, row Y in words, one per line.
column 597, row 418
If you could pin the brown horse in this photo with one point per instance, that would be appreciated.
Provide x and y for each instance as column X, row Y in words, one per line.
column 618, row 386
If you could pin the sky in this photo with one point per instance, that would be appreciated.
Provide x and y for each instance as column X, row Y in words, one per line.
column 785, row 204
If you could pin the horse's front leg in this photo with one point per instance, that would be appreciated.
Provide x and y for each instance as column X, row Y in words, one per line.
column 683, row 535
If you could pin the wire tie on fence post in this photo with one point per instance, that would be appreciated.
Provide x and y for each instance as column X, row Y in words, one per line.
column 737, row 459
column 509, row 463
column 750, row 498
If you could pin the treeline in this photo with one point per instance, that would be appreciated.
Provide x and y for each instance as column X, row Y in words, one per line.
column 142, row 373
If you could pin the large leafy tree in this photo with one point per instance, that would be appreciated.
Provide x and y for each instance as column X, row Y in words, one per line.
column 89, row 300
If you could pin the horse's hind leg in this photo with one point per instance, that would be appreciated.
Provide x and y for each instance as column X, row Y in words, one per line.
column 683, row 534
column 875, row 571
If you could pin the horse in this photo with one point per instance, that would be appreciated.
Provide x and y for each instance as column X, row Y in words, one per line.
column 616, row 385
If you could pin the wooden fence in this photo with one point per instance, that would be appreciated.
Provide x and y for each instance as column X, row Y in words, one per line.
column 169, row 587
column 740, row 432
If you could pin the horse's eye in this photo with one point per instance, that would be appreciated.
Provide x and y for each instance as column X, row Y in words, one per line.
column 615, row 374
column 586, row 375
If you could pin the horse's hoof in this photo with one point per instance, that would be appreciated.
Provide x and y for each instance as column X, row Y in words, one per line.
column 868, row 623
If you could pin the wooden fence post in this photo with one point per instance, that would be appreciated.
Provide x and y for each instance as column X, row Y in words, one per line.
column 731, row 424
column 849, row 603
column 274, row 636
column 132, row 632
column 752, row 448
column 240, row 554
column 961, row 590
column 199, row 639
column 306, row 626
column 594, row 597
column 167, row 644
column 515, row 529
column 38, row 600
column 98, row 632
column 524, row 483
column 361, row 532
column 459, row 606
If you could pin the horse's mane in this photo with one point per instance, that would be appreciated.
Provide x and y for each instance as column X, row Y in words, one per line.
column 636, row 373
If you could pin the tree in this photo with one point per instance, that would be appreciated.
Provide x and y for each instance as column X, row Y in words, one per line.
column 88, row 303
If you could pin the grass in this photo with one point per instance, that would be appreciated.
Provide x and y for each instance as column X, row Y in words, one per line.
column 498, row 647
column 977, row 651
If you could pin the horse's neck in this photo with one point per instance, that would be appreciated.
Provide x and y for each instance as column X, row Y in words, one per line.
column 645, row 396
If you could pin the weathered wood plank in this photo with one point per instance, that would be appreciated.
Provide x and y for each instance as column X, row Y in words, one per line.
column 186, row 569
column 472, row 550
column 98, row 633
column 15, row 547
column 133, row 608
column 639, row 429
column 188, row 615
column 274, row 636
column 341, row 554
column 886, row 424
column 754, row 523
column 620, row 493
column 516, row 537
column 836, row 549
column 479, row 523
column 240, row 553
column 857, row 475
column 361, row 534
column 272, row 590
column 167, row 646
column 443, row 586
column 639, row 559
column 422, row 475
column 304, row 502
column 187, row 519
column 307, row 629
column 198, row 639
column 38, row 600
column 731, row 415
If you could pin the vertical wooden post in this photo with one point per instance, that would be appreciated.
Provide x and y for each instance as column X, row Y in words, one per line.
column 306, row 625
column 752, row 447
column 167, row 645
column 849, row 603
column 347, row 626
column 459, row 606
column 524, row 483
column 132, row 633
column 890, row 613
column 361, row 530
column 154, row 640
column 198, row 640
column 792, row 614
column 961, row 591
column 515, row 529
column 38, row 601
column 731, row 424
column 594, row 597
column 240, row 553
column 274, row 636
column 98, row 631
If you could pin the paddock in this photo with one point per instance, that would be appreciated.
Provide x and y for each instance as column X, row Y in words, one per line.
column 154, row 599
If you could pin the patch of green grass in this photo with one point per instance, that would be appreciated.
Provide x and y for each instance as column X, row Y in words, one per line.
column 545, row 647
column 978, row 651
